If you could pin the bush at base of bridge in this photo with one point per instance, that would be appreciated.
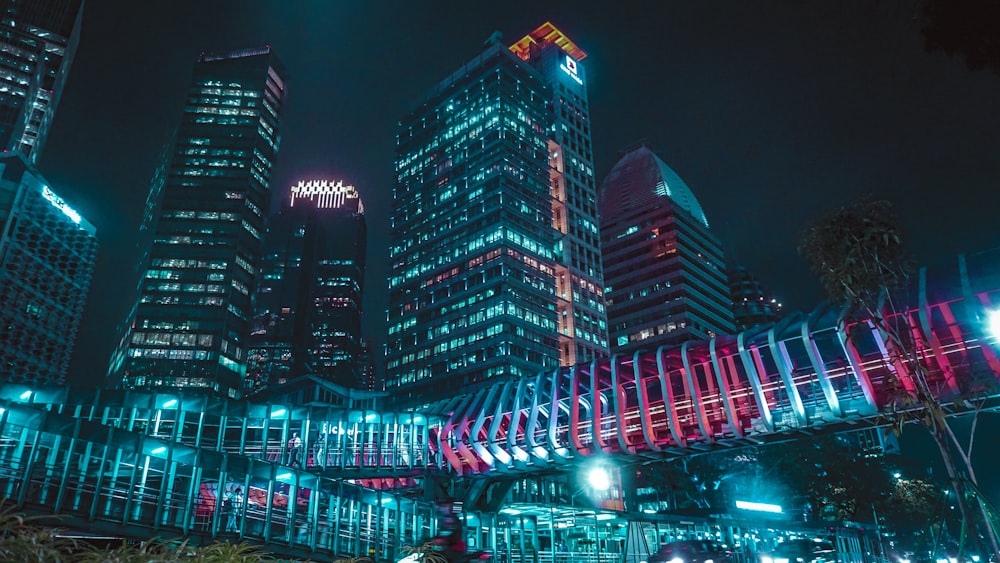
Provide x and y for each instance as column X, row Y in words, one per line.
column 22, row 540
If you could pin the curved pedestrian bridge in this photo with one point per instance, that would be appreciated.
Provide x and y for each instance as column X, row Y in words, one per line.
column 332, row 480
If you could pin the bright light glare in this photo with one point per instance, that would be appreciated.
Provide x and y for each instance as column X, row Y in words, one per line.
column 605, row 516
column 897, row 475
column 170, row 403
column 277, row 413
column 993, row 321
column 159, row 450
column 26, row 395
column 284, row 476
column 510, row 511
column 758, row 506
column 766, row 559
column 599, row 479
column 676, row 560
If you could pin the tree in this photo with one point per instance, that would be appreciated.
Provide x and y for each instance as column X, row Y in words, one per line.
column 918, row 511
column 831, row 474
column 826, row 473
column 859, row 256
column 697, row 482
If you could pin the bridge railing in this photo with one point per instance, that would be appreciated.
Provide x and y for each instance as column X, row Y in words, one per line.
column 98, row 476
column 805, row 372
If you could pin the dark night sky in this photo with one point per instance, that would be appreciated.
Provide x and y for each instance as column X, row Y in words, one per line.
column 772, row 112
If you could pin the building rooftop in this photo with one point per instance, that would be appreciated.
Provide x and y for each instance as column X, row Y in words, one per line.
column 547, row 34
column 638, row 179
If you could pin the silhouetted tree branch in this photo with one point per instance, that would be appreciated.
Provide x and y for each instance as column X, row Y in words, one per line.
column 859, row 256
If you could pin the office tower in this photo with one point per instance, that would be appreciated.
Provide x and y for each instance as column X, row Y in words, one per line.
column 38, row 39
column 47, row 254
column 190, row 325
column 753, row 304
column 473, row 261
column 665, row 272
column 366, row 363
column 583, row 330
column 307, row 318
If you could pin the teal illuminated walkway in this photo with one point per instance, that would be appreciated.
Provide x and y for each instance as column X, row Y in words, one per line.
column 164, row 465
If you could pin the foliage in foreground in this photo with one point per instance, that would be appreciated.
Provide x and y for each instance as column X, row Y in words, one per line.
column 163, row 551
column 829, row 478
column 23, row 540
column 859, row 256
column 426, row 552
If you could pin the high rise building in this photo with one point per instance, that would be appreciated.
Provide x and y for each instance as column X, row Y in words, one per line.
column 47, row 253
column 753, row 304
column 473, row 253
column 191, row 322
column 367, row 379
column 583, row 331
column 665, row 272
column 307, row 316
column 38, row 40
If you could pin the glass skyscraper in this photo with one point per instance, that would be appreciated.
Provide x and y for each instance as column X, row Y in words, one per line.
column 307, row 318
column 495, row 269
column 665, row 272
column 472, row 284
column 47, row 253
column 38, row 40
column 191, row 323
column 583, row 332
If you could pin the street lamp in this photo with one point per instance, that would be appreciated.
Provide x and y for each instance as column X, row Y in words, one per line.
column 599, row 479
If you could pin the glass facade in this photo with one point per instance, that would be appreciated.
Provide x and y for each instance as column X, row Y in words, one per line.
column 47, row 255
column 496, row 267
column 307, row 316
column 38, row 40
column 190, row 325
column 583, row 333
column 473, row 270
column 665, row 272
